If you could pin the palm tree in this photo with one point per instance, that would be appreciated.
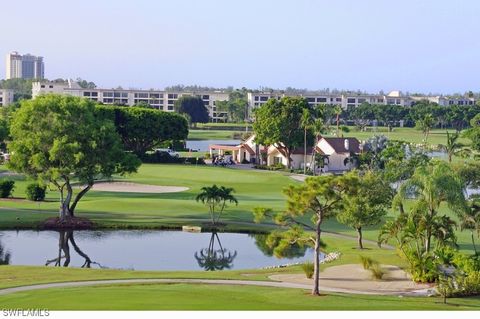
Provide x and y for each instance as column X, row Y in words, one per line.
column 452, row 145
column 471, row 220
column 306, row 123
column 216, row 199
column 338, row 111
column 432, row 185
column 426, row 124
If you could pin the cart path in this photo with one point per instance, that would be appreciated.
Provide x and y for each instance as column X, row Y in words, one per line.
column 275, row 284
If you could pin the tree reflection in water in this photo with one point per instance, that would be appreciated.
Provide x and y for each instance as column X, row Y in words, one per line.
column 212, row 259
column 4, row 256
column 66, row 237
column 269, row 245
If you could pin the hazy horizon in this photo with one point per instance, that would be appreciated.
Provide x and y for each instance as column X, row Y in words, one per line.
column 417, row 46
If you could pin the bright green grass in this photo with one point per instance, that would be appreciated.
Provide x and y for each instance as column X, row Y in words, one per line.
column 216, row 297
column 408, row 134
column 252, row 188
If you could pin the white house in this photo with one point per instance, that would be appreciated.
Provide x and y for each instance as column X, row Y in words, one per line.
column 247, row 151
column 337, row 151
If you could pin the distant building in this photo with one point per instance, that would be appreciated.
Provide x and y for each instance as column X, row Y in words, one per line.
column 162, row 100
column 348, row 101
column 6, row 97
column 24, row 66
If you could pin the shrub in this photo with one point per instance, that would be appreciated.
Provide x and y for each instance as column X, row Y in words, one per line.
column 6, row 188
column 308, row 269
column 36, row 192
column 377, row 271
column 367, row 262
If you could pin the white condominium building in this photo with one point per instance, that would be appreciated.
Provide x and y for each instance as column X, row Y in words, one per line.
column 162, row 100
column 24, row 66
column 6, row 97
column 347, row 101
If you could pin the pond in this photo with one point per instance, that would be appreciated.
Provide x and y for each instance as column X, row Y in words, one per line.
column 143, row 250
column 202, row 145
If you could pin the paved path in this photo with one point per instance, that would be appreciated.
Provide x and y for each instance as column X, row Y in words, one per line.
column 276, row 284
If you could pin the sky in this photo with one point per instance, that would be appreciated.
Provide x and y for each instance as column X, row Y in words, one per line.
column 428, row 46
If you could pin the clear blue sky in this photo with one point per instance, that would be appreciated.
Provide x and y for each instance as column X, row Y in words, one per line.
column 411, row 45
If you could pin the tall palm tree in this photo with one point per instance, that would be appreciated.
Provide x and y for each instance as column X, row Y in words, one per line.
column 216, row 199
column 471, row 220
column 426, row 124
column 338, row 112
column 306, row 123
column 452, row 145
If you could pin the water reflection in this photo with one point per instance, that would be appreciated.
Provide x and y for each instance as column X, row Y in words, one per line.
column 267, row 243
column 4, row 255
column 66, row 237
column 212, row 258
column 142, row 250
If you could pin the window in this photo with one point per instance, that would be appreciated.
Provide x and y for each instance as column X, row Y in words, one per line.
column 107, row 100
column 170, row 102
column 256, row 98
column 170, row 107
column 86, row 93
column 339, row 99
column 205, row 97
column 173, row 96
column 360, row 101
column 94, row 93
column 277, row 160
column 141, row 95
column 264, row 98
column 350, row 100
column 311, row 99
column 50, row 86
column 322, row 100
column 107, row 94
column 42, row 86
column 379, row 100
column 154, row 96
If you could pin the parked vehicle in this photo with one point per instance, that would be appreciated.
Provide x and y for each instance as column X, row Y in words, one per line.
column 170, row 152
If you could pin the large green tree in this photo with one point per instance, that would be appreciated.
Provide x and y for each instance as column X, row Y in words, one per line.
column 142, row 129
column 367, row 204
column 194, row 107
column 308, row 206
column 474, row 132
column 62, row 140
column 278, row 122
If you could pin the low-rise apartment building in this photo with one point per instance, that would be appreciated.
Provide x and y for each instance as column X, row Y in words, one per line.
column 162, row 100
column 6, row 97
column 347, row 101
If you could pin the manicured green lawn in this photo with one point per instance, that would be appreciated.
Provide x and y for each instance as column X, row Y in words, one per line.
column 153, row 210
column 408, row 134
column 216, row 297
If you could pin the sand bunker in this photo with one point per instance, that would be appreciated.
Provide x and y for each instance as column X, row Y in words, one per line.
column 356, row 279
column 126, row 187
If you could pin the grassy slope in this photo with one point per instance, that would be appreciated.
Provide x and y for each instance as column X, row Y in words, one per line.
column 210, row 297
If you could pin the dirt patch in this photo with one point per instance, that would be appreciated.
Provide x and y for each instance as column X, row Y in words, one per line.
column 73, row 223
column 126, row 187
column 356, row 279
